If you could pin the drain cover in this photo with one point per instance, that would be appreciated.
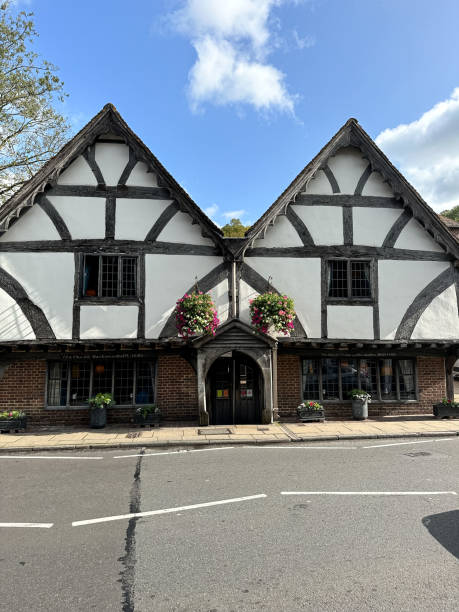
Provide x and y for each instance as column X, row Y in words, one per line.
column 214, row 432
column 420, row 454
column 262, row 428
column 133, row 434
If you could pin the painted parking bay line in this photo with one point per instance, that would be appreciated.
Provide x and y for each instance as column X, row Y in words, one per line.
column 368, row 493
column 177, row 452
column 47, row 457
column 405, row 443
column 35, row 525
column 120, row 517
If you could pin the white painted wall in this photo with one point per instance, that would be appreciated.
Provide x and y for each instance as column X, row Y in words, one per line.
column 135, row 218
column 84, row 217
column 281, row 234
column 181, row 229
column 399, row 283
column 319, row 184
column 78, row 173
column 220, row 297
column 325, row 223
column 440, row 319
column 98, row 322
column 139, row 176
column 246, row 293
column 375, row 186
column 348, row 165
column 48, row 280
column 167, row 278
column 371, row 225
column 34, row 224
column 13, row 323
column 348, row 322
column 299, row 279
column 111, row 159
column 414, row 236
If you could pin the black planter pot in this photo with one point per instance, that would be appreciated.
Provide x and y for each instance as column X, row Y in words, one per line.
column 97, row 418
column 151, row 419
column 13, row 424
column 310, row 415
column 445, row 411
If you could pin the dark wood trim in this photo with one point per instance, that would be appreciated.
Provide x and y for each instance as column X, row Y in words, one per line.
column 300, row 227
column 323, row 298
column 421, row 302
column 90, row 156
column 102, row 191
column 348, row 227
column 161, row 222
column 397, row 227
column 348, row 251
column 110, row 217
column 141, row 294
column 76, row 296
column 375, row 295
column 331, row 178
column 308, row 199
column 33, row 313
column 363, row 180
column 55, row 217
column 128, row 169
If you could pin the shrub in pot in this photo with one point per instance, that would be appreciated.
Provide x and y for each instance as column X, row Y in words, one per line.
column 148, row 415
column 360, row 400
column 446, row 409
column 98, row 409
column 310, row 410
column 12, row 419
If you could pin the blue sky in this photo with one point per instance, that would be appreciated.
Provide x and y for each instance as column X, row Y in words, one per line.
column 236, row 96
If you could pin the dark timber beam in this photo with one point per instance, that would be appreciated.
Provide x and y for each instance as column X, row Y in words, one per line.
column 162, row 221
column 55, row 217
column 397, row 228
column 300, row 227
column 331, row 179
column 102, row 191
column 363, row 180
column 348, row 251
column 347, row 200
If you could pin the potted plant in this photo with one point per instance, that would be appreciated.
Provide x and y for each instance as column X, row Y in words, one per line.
column 195, row 314
column 310, row 410
column 148, row 415
column 446, row 409
column 12, row 419
column 272, row 312
column 360, row 401
column 98, row 409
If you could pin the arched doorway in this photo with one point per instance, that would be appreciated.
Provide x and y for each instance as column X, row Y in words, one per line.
column 234, row 390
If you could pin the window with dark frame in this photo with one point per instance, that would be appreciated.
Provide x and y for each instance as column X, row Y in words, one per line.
column 71, row 383
column 384, row 379
column 109, row 276
column 349, row 278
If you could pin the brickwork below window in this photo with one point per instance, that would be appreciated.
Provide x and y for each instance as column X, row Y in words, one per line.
column 176, row 389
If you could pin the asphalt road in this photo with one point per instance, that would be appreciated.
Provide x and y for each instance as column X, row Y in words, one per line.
column 259, row 549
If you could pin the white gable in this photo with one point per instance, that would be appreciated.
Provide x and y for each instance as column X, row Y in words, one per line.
column 135, row 218
column 325, row 223
column 139, row 176
column 375, row 186
column 84, row 217
column 111, row 159
column 78, row 173
column 181, row 229
column 220, row 298
column 371, row 225
column 319, row 184
column 439, row 319
column 13, row 324
column 34, row 224
column 281, row 234
column 348, row 165
column 414, row 236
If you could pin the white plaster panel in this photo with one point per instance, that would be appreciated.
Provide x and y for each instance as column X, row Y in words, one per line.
column 348, row 165
column 281, row 234
column 135, row 218
column 13, row 324
column 319, row 184
column 181, row 229
column 371, row 225
column 99, row 322
column 299, row 279
column 34, row 224
column 139, row 176
column 399, row 283
column 246, row 293
column 48, row 280
column 325, row 223
column 84, row 217
column 354, row 322
column 167, row 278
column 78, row 173
column 220, row 298
column 376, row 186
column 111, row 159
column 439, row 320
column 414, row 236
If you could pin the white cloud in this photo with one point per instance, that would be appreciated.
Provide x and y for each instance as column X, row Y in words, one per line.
column 427, row 152
column 232, row 39
column 234, row 214
column 211, row 210
column 304, row 42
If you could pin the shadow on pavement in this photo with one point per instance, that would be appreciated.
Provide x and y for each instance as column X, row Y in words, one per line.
column 444, row 528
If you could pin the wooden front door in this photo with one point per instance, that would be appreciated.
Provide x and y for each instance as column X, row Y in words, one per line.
column 234, row 391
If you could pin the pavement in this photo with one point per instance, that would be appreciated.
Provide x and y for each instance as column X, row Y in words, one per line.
column 120, row 436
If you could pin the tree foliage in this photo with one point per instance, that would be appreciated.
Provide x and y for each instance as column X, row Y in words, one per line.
column 234, row 229
column 31, row 130
column 453, row 213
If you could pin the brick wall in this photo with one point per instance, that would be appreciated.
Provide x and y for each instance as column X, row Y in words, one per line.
column 176, row 389
column 431, row 383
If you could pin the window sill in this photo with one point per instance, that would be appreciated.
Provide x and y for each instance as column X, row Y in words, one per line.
column 104, row 301
column 334, row 301
column 86, row 407
column 373, row 401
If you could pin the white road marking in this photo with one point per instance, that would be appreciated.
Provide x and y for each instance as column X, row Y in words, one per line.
column 107, row 519
column 304, row 447
column 45, row 457
column 404, row 443
column 177, row 452
column 368, row 493
column 39, row 525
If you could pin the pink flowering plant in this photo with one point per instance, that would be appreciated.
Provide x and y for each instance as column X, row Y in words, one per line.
column 272, row 311
column 11, row 415
column 309, row 405
column 195, row 314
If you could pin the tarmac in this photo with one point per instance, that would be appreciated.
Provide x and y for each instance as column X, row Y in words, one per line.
column 185, row 435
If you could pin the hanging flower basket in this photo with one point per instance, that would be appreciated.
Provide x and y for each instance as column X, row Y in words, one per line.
column 195, row 314
column 272, row 312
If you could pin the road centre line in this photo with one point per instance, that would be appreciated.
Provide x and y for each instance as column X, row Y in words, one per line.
column 37, row 525
column 177, row 452
column 368, row 493
column 404, row 443
column 107, row 519
column 46, row 457
column 266, row 446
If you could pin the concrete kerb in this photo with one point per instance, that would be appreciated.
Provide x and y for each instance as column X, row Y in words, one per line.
column 196, row 443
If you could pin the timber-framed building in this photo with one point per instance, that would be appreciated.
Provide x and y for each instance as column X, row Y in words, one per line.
column 98, row 246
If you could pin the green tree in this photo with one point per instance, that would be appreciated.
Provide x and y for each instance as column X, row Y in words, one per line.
column 234, row 229
column 453, row 213
column 31, row 130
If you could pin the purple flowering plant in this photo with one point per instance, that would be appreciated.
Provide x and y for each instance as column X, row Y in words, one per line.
column 195, row 314
column 272, row 310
